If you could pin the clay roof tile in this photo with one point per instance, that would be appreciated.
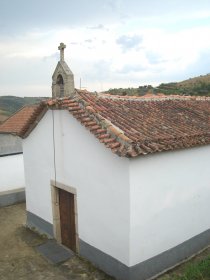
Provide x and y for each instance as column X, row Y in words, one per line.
column 24, row 120
column 128, row 126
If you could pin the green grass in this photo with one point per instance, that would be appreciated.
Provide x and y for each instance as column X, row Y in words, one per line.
column 192, row 271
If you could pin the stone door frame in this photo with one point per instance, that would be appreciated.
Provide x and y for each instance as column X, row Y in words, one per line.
column 55, row 186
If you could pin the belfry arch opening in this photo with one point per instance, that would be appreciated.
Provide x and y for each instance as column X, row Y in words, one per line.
column 60, row 86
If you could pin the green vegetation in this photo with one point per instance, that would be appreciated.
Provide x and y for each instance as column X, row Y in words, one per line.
column 198, row 86
column 197, row 89
column 5, row 113
column 140, row 91
column 10, row 104
column 194, row 270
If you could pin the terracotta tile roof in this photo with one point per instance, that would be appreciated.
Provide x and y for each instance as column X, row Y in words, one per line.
column 132, row 126
column 129, row 126
column 23, row 121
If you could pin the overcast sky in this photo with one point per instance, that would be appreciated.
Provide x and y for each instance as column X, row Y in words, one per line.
column 110, row 43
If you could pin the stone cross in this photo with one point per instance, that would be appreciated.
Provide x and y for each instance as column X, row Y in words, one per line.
column 61, row 49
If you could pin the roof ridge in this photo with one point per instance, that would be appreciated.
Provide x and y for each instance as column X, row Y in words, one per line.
column 153, row 98
column 92, row 119
column 112, row 130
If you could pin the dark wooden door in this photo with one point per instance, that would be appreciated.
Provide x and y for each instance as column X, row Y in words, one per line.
column 67, row 219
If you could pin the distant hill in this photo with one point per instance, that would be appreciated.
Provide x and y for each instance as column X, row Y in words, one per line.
column 193, row 86
column 3, row 115
column 10, row 104
column 196, row 80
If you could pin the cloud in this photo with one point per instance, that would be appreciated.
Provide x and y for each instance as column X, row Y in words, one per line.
column 128, row 42
column 152, row 45
column 154, row 58
column 23, row 15
column 131, row 68
column 54, row 56
column 88, row 41
column 201, row 65
column 101, row 70
column 74, row 43
column 99, row 26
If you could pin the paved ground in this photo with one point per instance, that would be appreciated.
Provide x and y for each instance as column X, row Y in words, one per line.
column 19, row 259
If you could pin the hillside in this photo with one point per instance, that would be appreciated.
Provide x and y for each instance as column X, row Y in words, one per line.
column 194, row 81
column 193, row 86
column 10, row 104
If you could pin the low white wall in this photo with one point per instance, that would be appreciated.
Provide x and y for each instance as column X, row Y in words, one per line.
column 100, row 178
column 11, row 173
column 170, row 200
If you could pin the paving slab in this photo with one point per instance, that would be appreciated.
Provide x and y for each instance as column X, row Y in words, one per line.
column 54, row 252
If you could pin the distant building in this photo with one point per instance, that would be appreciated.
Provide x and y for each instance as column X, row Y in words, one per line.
column 123, row 181
column 12, row 179
column 13, row 127
column 10, row 144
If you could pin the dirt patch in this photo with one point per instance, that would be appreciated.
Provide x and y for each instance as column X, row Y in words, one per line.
column 19, row 259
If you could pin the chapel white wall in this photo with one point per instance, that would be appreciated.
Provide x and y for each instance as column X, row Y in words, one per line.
column 11, row 173
column 38, row 165
column 100, row 177
column 170, row 194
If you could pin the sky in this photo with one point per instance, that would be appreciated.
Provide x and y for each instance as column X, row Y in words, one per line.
column 110, row 43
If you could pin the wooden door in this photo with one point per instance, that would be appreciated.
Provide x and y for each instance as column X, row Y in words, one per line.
column 67, row 219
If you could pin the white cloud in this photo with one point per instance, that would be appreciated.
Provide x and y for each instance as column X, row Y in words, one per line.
column 128, row 42
column 131, row 45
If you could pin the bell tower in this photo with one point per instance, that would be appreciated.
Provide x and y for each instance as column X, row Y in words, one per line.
column 63, row 78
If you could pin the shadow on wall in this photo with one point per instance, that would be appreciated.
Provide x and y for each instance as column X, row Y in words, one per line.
column 10, row 144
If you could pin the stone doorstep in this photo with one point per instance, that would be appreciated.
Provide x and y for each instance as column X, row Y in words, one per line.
column 55, row 253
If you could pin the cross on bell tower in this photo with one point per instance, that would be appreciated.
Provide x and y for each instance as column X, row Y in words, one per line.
column 61, row 49
column 62, row 78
